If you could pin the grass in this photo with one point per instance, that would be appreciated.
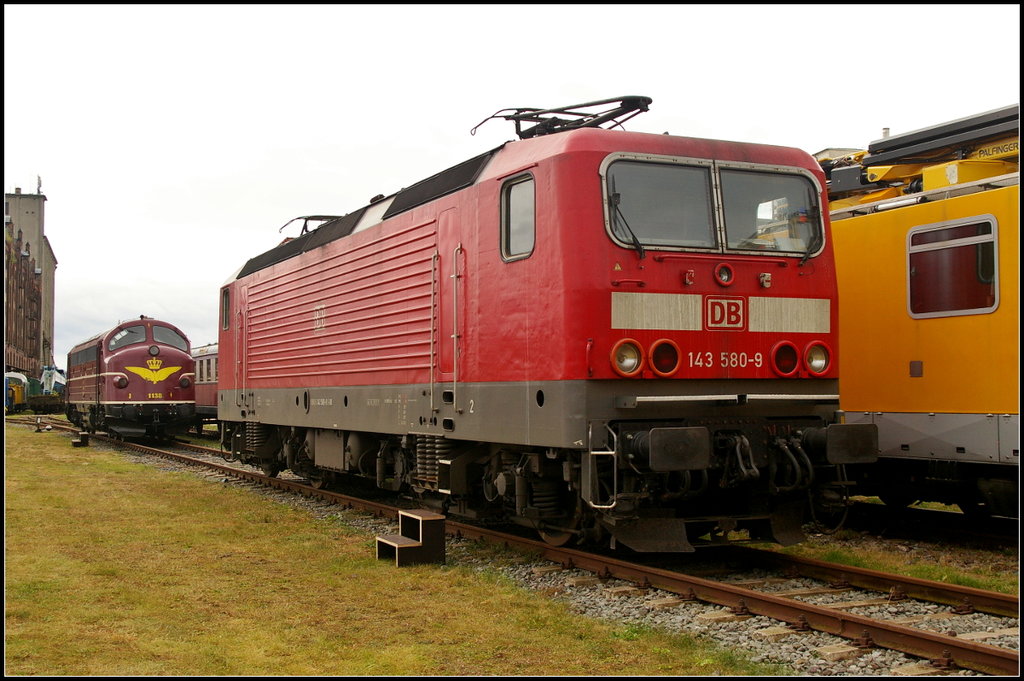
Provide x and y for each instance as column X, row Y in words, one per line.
column 1002, row 576
column 119, row 569
column 999, row 571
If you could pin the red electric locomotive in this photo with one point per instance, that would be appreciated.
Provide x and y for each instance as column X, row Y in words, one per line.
column 135, row 380
column 594, row 333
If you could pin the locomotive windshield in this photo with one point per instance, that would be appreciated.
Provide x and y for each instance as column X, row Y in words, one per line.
column 662, row 205
column 769, row 212
column 137, row 334
column 127, row 336
column 667, row 205
column 162, row 334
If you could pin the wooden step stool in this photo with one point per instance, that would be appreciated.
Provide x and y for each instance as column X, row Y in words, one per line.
column 420, row 539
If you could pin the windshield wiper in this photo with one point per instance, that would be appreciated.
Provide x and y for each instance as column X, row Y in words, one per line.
column 613, row 201
column 815, row 238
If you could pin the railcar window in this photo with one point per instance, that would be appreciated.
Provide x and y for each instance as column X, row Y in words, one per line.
column 518, row 218
column 127, row 336
column 84, row 356
column 661, row 204
column 952, row 269
column 769, row 211
column 162, row 334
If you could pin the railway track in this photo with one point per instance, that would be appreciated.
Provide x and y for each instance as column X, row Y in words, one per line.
column 830, row 603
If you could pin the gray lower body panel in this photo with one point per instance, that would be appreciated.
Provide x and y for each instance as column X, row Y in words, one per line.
column 979, row 438
column 563, row 414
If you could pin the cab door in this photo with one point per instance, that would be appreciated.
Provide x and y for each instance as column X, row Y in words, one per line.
column 451, row 304
column 241, row 322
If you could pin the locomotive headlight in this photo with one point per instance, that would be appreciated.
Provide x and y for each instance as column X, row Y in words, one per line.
column 664, row 357
column 724, row 274
column 185, row 382
column 154, row 350
column 627, row 357
column 785, row 358
column 817, row 358
column 120, row 382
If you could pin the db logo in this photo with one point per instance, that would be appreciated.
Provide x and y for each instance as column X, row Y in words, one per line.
column 724, row 313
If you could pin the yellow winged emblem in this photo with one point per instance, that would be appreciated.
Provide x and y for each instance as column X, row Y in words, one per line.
column 154, row 376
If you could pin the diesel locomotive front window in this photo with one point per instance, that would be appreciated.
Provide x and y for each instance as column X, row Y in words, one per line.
column 162, row 334
column 656, row 204
column 770, row 212
column 518, row 218
column 127, row 336
column 952, row 268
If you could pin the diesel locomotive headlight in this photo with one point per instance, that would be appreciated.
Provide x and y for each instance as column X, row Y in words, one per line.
column 154, row 350
column 785, row 358
column 120, row 382
column 627, row 357
column 185, row 382
column 664, row 357
column 817, row 358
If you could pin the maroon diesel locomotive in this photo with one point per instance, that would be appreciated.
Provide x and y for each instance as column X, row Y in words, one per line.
column 135, row 380
column 603, row 335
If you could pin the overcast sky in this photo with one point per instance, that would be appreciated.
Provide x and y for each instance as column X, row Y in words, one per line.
column 173, row 141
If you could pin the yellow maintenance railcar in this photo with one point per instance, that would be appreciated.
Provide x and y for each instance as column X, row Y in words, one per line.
column 926, row 230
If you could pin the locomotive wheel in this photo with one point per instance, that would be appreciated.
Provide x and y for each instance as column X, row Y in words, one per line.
column 565, row 533
column 321, row 481
column 270, row 469
column 555, row 538
column 828, row 519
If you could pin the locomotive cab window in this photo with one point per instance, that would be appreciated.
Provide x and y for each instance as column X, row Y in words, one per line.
column 518, row 218
column 162, row 334
column 660, row 204
column 952, row 268
column 770, row 211
column 666, row 204
column 128, row 336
